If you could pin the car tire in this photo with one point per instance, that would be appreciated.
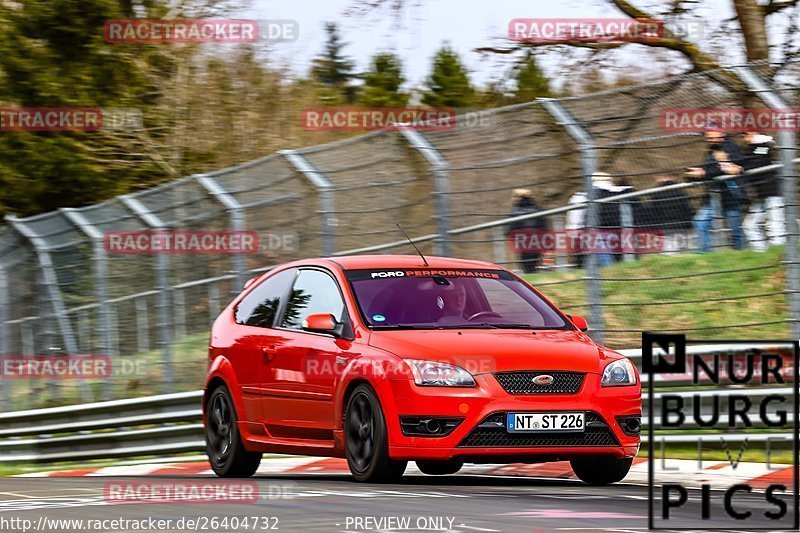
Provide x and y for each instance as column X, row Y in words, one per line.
column 224, row 446
column 601, row 470
column 366, row 440
column 440, row 468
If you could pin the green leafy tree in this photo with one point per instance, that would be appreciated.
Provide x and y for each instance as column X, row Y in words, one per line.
column 333, row 70
column 53, row 54
column 383, row 81
column 531, row 81
column 448, row 84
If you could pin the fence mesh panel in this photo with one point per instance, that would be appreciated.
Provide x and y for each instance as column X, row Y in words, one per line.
column 63, row 290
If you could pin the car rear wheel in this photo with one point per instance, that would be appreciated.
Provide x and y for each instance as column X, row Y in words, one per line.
column 223, row 444
column 367, row 441
column 601, row 470
column 440, row 468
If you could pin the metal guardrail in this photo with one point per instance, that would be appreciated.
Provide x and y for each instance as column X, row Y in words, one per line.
column 170, row 424
column 152, row 425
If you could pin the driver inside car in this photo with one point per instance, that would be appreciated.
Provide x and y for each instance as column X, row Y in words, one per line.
column 452, row 300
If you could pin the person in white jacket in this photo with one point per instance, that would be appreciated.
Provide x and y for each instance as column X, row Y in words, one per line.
column 576, row 218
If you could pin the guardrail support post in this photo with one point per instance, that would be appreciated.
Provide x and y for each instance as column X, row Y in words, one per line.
column 162, row 286
column 326, row 198
column 787, row 143
column 236, row 221
column 586, row 146
column 441, row 184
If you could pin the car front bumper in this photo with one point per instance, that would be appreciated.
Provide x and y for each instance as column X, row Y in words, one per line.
column 479, row 439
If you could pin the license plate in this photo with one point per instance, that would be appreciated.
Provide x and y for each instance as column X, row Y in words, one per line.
column 521, row 422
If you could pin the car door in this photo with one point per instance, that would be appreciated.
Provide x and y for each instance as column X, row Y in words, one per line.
column 257, row 336
column 305, row 368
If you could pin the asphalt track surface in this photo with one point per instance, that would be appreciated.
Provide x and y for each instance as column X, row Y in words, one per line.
column 324, row 503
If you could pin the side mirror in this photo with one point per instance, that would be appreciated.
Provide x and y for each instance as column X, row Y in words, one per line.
column 250, row 282
column 323, row 323
column 579, row 322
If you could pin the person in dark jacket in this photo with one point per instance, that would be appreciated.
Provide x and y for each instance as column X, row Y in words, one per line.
column 767, row 207
column 668, row 210
column 610, row 213
column 670, row 213
column 525, row 205
column 722, row 159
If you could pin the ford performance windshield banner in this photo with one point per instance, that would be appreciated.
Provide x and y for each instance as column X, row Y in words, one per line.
column 360, row 275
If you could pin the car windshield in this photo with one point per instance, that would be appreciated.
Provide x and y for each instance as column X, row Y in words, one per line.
column 432, row 299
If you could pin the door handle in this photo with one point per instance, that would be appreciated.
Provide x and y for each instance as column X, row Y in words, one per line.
column 268, row 351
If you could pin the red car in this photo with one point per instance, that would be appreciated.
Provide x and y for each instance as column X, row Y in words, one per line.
column 389, row 359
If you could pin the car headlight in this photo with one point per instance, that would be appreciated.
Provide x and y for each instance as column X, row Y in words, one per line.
column 433, row 374
column 619, row 372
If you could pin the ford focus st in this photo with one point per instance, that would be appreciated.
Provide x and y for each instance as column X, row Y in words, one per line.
column 389, row 359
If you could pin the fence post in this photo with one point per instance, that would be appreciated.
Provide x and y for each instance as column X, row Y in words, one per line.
column 236, row 222
column 627, row 224
column 588, row 152
column 441, row 185
column 142, row 325
column 787, row 148
column 49, row 280
column 213, row 302
column 100, row 266
column 718, row 220
column 4, row 334
column 180, row 316
column 162, row 286
column 326, row 199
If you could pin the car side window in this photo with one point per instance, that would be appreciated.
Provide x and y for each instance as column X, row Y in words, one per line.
column 313, row 292
column 260, row 307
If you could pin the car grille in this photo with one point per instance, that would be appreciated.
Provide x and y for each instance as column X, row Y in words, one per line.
column 522, row 382
column 491, row 433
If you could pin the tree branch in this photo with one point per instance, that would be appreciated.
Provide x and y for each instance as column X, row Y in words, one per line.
column 774, row 7
column 699, row 59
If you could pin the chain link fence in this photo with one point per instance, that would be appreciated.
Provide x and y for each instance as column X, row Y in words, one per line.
column 602, row 165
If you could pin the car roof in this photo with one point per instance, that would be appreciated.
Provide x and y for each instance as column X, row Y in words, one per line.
column 356, row 262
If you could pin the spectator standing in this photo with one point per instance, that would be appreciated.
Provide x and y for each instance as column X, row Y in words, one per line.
column 576, row 222
column 608, row 215
column 669, row 212
column 609, row 219
column 767, row 208
column 721, row 159
column 524, row 204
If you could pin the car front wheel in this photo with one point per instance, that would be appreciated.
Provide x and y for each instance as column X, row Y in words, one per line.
column 601, row 470
column 223, row 444
column 367, row 441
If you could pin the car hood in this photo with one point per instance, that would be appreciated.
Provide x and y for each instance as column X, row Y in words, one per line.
column 482, row 351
